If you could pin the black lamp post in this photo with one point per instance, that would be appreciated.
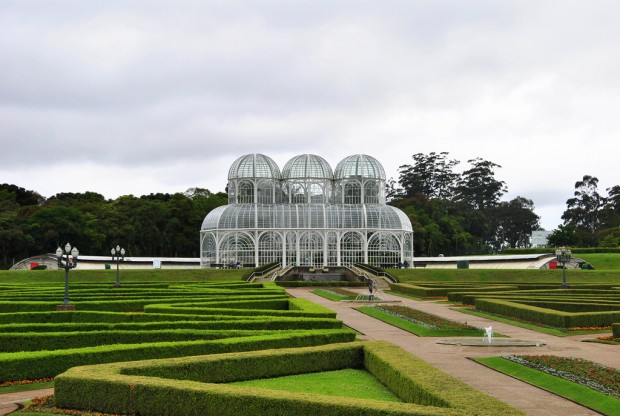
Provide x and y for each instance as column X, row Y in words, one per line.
column 119, row 254
column 563, row 255
column 69, row 263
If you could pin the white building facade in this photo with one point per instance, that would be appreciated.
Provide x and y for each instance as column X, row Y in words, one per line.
column 306, row 215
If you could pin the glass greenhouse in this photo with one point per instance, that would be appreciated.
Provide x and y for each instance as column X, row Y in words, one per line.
column 306, row 215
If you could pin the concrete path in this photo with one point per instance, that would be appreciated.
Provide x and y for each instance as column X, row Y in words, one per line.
column 455, row 360
column 8, row 401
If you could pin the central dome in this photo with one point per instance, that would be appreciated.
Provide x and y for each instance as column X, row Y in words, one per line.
column 307, row 167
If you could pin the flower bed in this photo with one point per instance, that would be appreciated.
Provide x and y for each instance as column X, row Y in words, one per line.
column 342, row 292
column 603, row 379
column 422, row 318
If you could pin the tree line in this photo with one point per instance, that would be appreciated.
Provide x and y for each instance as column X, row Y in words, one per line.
column 157, row 225
column 591, row 219
column 460, row 213
column 452, row 213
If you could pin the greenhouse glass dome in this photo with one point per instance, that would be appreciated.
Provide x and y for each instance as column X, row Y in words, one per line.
column 306, row 215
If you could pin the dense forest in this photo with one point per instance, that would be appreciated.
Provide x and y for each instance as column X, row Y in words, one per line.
column 452, row 213
column 159, row 225
column 462, row 213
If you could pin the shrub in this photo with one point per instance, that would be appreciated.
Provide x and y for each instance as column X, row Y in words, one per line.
column 41, row 364
column 146, row 388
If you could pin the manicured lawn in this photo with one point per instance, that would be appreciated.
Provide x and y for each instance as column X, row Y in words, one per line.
column 419, row 330
column 349, row 382
column 133, row 275
column 580, row 394
column 602, row 261
column 508, row 275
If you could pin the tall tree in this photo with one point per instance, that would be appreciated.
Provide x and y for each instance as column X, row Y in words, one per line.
column 477, row 186
column 513, row 223
column 611, row 209
column 584, row 210
column 564, row 235
column 431, row 175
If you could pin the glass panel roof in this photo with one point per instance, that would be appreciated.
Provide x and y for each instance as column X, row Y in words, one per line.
column 254, row 165
column 313, row 216
column 356, row 166
column 307, row 166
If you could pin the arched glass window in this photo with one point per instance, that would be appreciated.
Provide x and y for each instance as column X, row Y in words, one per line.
column 383, row 250
column 237, row 248
column 209, row 250
column 371, row 192
column 311, row 249
column 265, row 192
column 297, row 193
column 352, row 193
column 351, row 248
column 269, row 248
column 245, row 192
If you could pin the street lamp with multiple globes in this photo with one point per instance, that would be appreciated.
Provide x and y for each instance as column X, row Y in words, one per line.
column 119, row 254
column 563, row 255
column 69, row 263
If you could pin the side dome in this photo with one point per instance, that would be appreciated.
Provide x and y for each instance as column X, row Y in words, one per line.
column 359, row 166
column 307, row 167
column 254, row 165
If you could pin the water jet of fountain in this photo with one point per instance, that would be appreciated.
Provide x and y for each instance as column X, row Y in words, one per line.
column 488, row 332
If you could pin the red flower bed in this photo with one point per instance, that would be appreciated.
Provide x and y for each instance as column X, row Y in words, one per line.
column 18, row 383
column 342, row 292
column 588, row 373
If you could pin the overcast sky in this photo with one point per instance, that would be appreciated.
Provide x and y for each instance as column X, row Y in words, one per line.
column 134, row 97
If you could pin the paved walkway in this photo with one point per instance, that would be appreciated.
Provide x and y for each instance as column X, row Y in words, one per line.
column 8, row 401
column 455, row 360
column 451, row 359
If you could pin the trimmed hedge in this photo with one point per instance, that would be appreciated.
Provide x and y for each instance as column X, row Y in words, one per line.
column 275, row 307
column 548, row 317
column 32, row 341
column 446, row 290
column 102, row 316
column 41, row 364
column 123, row 305
column 615, row 328
column 145, row 387
column 209, row 323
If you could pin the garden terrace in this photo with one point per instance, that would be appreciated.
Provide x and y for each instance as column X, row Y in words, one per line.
column 201, row 385
column 140, row 322
column 588, row 305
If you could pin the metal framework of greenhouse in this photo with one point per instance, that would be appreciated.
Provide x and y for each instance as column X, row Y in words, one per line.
column 306, row 215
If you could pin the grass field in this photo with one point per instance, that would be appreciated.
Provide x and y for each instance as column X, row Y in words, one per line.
column 355, row 383
column 602, row 261
column 506, row 275
column 132, row 275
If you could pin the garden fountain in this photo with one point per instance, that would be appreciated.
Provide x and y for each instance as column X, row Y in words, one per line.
column 488, row 341
column 488, row 333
